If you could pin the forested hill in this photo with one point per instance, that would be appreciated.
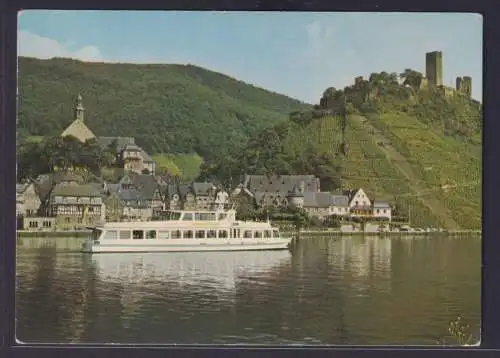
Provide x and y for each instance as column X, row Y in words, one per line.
column 167, row 108
column 417, row 147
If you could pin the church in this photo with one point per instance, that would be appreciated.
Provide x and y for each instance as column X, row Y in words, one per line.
column 134, row 158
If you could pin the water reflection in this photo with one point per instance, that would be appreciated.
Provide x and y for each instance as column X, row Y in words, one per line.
column 337, row 291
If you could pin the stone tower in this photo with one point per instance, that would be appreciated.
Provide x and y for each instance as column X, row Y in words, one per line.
column 464, row 85
column 467, row 85
column 79, row 110
column 434, row 68
column 295, row 198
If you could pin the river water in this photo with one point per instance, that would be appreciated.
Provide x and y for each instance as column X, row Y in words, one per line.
column 326, row 291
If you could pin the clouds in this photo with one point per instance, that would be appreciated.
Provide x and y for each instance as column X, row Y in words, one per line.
column 33, row 45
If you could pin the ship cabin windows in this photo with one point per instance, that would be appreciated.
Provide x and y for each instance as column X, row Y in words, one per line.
column 111, row 235
column 211, row 234
column 138, row 234
column 185, row 234
column 187, row 217
column 204, row 216
column 223, row 234
column 164, row 235
column 125, row 235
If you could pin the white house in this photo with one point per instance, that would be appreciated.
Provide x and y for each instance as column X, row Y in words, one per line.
column 359, row 203
column 382, row 209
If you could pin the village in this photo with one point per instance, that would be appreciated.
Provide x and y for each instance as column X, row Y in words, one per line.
column 65, row 201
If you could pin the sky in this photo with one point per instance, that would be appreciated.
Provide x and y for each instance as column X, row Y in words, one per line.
column 293, row 53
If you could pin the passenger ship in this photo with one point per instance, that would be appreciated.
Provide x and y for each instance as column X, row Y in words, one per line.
column 180, row 230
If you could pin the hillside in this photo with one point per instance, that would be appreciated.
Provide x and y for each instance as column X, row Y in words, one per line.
column 167, row 108
column 418, row 149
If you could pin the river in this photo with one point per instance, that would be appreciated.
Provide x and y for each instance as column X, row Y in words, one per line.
column 326, row 291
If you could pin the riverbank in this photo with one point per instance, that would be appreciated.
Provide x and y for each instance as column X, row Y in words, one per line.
column 457, row 233
column 52, row 234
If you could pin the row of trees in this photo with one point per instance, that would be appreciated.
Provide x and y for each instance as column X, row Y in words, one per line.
column 62, row 153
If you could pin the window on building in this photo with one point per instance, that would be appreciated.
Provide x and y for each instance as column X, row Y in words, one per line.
column 247, row 234
column 257, row 234
column 188, row 234
column 200, row 234
column 385, row 211
column 276, row 233
column 187, row 217
column 176, row 234
column 151, row 234
column 267, row 233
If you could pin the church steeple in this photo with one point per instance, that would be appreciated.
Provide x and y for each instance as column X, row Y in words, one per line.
column 79, row 110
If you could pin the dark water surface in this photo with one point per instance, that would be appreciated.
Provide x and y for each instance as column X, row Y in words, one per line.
column 327, row 291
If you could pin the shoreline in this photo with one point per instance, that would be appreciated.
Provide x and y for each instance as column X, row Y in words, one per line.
column 388, row 233
column 303, row 233
column 24, row 234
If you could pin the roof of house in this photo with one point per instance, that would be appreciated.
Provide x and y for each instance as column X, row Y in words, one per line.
column 77, row 190
column 317, row 200
column 282, row 183
column 79, row 130
column 381, row 204
column 340, row 200
column 132, row 147
column 295, row 193
column 112, row 188
column 203, row 189
column 121, row 142
column 132, row 198
column 261, row 196
column 324, row 200
column 46, row 182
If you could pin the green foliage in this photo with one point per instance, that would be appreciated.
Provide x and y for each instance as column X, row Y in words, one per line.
column 184, row 166
column 167, row 108
column 62, row 153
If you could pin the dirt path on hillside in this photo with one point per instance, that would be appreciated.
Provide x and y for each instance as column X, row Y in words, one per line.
column 401, row 163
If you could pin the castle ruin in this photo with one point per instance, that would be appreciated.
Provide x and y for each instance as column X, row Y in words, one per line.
column 434, row 68
column 434, row 76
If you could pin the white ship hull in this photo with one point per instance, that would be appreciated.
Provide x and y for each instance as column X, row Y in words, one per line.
column 184, row 231
column 185, row 245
